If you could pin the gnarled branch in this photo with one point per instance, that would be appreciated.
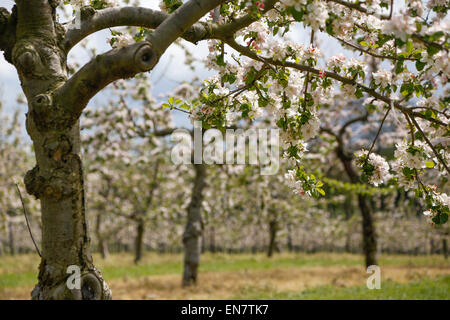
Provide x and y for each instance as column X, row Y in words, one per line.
column 116, row 64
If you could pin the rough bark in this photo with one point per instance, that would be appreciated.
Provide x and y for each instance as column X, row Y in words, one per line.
column 192, row 237
column 57, row 179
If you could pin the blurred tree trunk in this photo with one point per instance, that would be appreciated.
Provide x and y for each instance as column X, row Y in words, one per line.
column 142, row 212
column 272, row 237
column 369, row 235
column 289, row 237
column 445, row 247
column 368, row 225
column 12, row 242
column 102, row 242
column 212, row 244
column 192, row 237
column 139, row 241
column 103, row 248
column 432, row 246
column 348, row 215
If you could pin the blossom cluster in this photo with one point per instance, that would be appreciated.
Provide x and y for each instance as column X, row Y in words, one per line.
column 374, row 166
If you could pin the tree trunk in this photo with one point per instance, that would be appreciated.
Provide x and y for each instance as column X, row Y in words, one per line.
column 58, row 182
column 289, row 237
column 368, row 226
column 102, row 242
column 348, row 214
column 212, row 244
column 12, row 242
column 192, row 237
column 369, row 235
column 432, row 246
column 103, row 248
column 57, row 179
column 272, row 237
column 445, row 248
column 139, row 241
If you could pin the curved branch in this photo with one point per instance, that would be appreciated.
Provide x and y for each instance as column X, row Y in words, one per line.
column 116, row 64
column 179, row 22
column 124, row 16
column 352, row 121
column 168, row 27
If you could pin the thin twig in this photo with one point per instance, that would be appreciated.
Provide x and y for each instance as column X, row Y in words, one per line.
column 378, row 133
column 28, row 223
column 376, row 137
column 436, row 153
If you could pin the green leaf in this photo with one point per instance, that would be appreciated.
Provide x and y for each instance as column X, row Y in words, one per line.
column 364, row 44
column 432, row 50
column 429, row 164
column 440, row 218
column 297, row 15
column 321, row 191
column 409, row 46
column 420, row 65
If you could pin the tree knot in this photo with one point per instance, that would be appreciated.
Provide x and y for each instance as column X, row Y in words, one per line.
column 145, row 57
column 58, row 185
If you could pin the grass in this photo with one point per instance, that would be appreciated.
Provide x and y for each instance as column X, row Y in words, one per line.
column 285, row 276
column 425, row 289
